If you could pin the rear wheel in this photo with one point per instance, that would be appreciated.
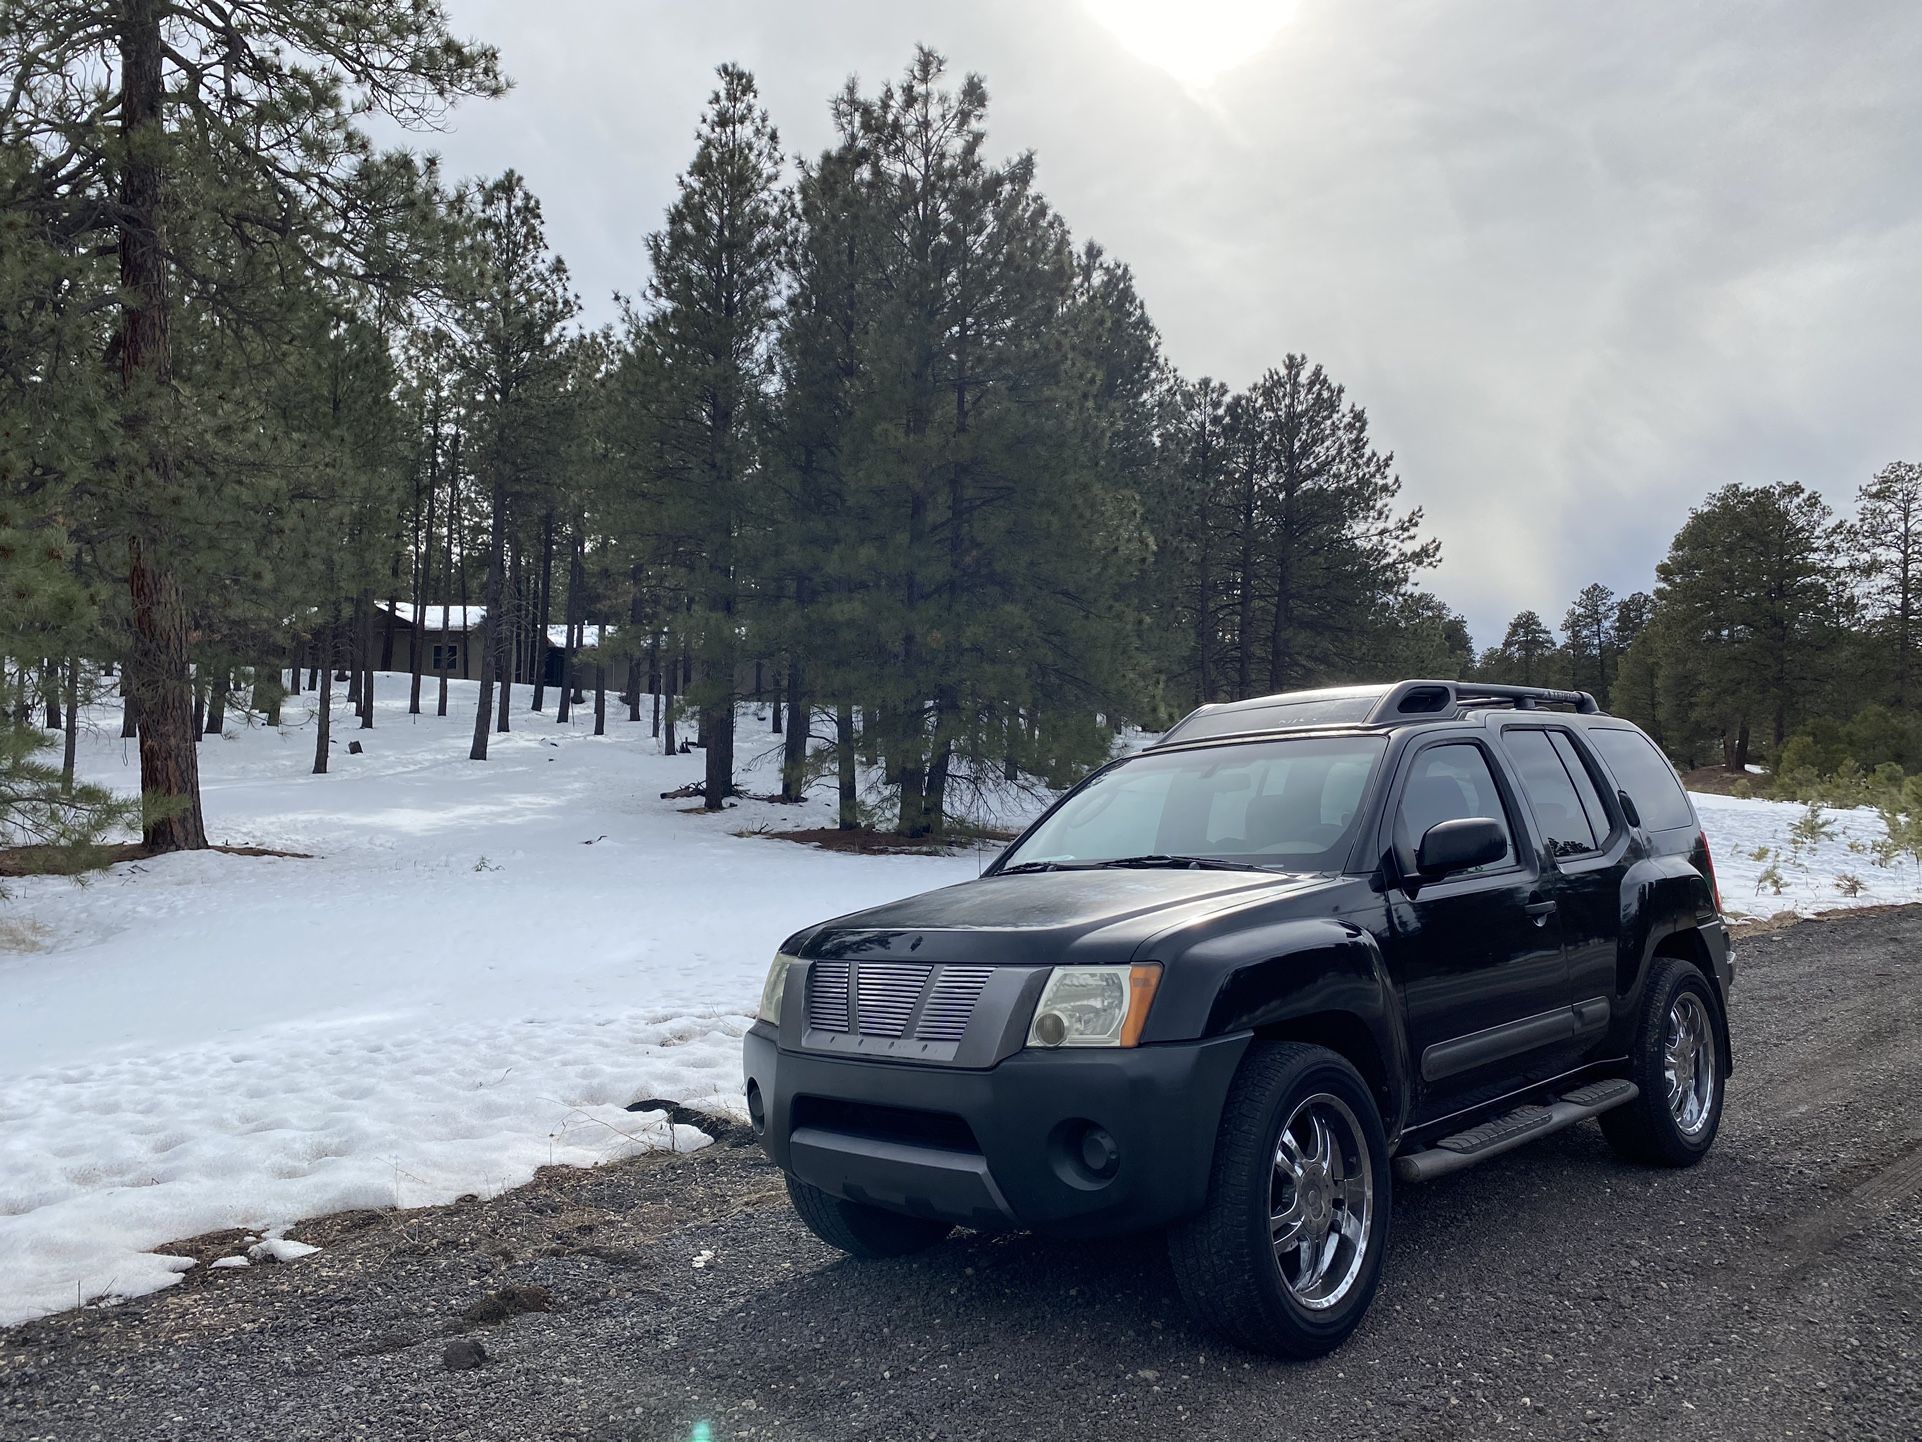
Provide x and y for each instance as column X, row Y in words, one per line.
column 861, row 1230
column 1675, row 1058
column 1286, row 1255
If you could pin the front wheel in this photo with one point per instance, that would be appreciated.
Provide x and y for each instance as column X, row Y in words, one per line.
column 860, row 1230
column 1286, row 1254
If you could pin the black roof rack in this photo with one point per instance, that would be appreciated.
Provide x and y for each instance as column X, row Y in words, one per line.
column 1365, row 706
column 1409, row 699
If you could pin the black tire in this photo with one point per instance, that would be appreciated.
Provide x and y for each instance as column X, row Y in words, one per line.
column 1226, row 1262
column 1651, row 1129
column 860, row 1230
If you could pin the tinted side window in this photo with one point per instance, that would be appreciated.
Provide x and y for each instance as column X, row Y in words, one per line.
column 1551, row 792
column 1584, row 780
column 1644, row 773
column 1447, row 783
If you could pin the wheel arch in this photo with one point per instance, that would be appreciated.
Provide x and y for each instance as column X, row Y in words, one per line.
column 1356, row 1042
column 1689, row 945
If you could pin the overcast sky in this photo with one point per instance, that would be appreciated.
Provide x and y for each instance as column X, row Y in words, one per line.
column 1581, row 263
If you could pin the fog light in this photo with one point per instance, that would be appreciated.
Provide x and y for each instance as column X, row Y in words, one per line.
column 1050, row 1028
column 1099, row 1152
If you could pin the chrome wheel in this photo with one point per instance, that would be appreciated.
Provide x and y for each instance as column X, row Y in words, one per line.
column 1321, row 1201
column 1688, row 1063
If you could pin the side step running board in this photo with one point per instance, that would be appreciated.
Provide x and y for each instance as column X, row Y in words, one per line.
column 1505, row 1133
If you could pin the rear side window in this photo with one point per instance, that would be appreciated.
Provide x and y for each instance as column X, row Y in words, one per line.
column 1584, row 779
column 1551, row 793
column 1644, row 773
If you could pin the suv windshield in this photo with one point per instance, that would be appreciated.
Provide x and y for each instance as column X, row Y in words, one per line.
column 1288, row 804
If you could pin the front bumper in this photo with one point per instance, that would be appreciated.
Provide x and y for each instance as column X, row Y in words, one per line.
column 1016, row 1144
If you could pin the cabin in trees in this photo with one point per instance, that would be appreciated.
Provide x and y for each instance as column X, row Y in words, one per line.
column 450, row 642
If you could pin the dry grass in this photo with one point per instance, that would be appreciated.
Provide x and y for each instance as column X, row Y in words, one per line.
column 864, row 841
column 22, row 935
column 16, row 861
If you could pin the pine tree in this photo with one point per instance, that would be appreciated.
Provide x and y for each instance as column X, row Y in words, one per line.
column 1527, row 645
column 979, row 474
column 714, row 291
column 1746, row 611
column 1336, row 550
column 1887, row 538
column 811, row 556
column 1187, row 583
column 1588, row 627
column 510, row 347
column 213, row 109
column 1419, row 635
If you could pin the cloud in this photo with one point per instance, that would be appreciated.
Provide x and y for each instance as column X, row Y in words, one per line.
column 1581, row 263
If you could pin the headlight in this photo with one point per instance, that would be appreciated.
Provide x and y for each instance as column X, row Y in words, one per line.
column 1094, row 1005
column 774, row 989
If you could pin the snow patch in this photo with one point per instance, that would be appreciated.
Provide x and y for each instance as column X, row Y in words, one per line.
column 481, row 968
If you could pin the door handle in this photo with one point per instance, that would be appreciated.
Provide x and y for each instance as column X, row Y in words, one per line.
column 1540, row 911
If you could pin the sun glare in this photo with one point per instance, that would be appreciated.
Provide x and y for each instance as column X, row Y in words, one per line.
column 1195, row 41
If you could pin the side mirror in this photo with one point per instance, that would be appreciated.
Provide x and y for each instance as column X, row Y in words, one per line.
column 1461, row 845
column 1633, row 816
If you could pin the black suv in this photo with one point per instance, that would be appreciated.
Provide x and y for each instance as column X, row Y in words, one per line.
column 1235, row 984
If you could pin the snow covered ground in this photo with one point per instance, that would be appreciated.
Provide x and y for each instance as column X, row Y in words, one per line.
column 481, row 967
column 1820, row 874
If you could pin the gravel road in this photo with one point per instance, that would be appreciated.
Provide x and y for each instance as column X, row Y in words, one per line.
column 1773, row 1292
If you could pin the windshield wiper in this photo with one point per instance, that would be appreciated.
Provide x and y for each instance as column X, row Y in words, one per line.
column 1194, row 863
column 1021, row 866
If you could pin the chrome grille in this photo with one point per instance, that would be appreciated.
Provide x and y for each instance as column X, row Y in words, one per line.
column 879, row 998
column 828, row 996
column 884, row 996
column 950, row 1002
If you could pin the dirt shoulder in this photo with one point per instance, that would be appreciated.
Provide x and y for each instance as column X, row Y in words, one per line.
column 1553, row 1293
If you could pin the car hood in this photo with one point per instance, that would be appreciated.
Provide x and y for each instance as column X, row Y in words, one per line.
column 1047, row 916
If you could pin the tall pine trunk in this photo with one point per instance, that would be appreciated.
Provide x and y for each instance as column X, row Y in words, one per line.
column 267, row 694
column 217, row 687
column 447, row 587
column 794, row 744
column 324, row 709
column 546, row 609
column 1245, row 597
column 423, row 576
column 654, row 679
column 367, row 660
column 668, row 675
column 162, row 681
column 717, row 729
column 129, row 723
column 503, row 628
column 73, row 726
column 423, row 558
column 489, row 624
column 563, row 710
column 846, row 782
column 600, row 682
